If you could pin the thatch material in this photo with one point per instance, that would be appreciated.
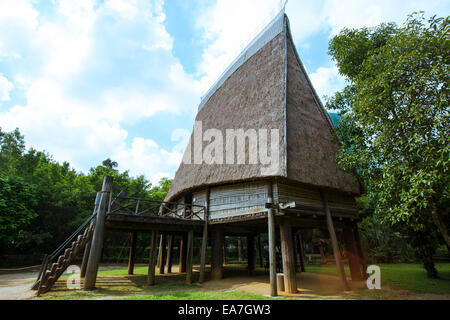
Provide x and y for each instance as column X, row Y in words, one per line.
column 268, row 91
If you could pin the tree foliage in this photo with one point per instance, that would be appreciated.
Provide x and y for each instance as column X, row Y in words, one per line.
column 43, row 201
column 394, row 125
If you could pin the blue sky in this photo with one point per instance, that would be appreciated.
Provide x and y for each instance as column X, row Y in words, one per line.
column 88, row 79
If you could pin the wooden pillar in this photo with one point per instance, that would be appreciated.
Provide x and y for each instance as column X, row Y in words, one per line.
column 351, row 253
column 132, row 256
column 97, row 239
column 169, row 252
column 336, row 252
column 301, row 252
column 189, row 256
column 239, row 245
column 217, row 254
column 251, row 254
column 162, row 253
column 204, row 240
column 87, row 248
column 287, row 254
column 183, row 251
column 360, row 252
column 261, row 261
column 152, row 258
column 272, row 252
column 225, row 250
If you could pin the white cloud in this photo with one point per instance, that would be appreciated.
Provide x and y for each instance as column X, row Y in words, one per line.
column 5, row 88
column 327, row 81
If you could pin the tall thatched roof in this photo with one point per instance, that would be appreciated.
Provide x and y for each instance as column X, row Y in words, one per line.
column 267, row 88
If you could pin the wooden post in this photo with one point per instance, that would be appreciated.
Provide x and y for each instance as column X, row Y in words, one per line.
column 189, row 256
column 169, row 253
column 287, row 254
column 261, row 261
column 204, row 240
column 272, row 252
column 87, row 248
column 280, row 282
column 336, row 252
column 152, row 258
column 183, row 251
column 162, row 253
column 132, row 256
column 351, row 253
column 360, row 252
column 301, row 252
column 97, row 239
column 239, row 249
column 217, row 254
column 225, row 250
column 251, row 254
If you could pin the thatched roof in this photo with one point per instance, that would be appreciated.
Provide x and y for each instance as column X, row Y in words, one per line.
column 268, row 88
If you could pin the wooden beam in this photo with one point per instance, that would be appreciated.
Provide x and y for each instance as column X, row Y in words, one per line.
column 287, row 254
column 152, row 258
column 169, row 252
column 162, row 253
column 132, row 256
column 183, row 251
column 97, row 239
column 251, row 254
column 204, row 240
column 189, row 257
column 217, row 254
column 87, row 247
column 272, row 252
column 336, row 252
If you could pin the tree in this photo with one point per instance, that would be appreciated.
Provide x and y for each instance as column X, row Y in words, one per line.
column 394, row 128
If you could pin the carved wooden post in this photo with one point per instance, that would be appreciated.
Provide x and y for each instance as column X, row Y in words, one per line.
column 272, row 252
column 152, row 258
column 217, row 254
column 97, row 239
column 351, row 253
column 287, row 253
column 189, row 256
column 204, row 240
column 87, row 248
column 336, row 252
column 183, row 251
column 251, row 254
column 169, row 253
column 132, row 256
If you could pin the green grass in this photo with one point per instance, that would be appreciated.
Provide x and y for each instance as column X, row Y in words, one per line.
column 403, row 276
column 198, row 295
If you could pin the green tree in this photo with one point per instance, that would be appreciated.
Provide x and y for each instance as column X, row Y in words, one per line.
column 394, row 125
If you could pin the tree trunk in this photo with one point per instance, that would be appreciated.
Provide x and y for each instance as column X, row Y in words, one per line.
column 437, row 218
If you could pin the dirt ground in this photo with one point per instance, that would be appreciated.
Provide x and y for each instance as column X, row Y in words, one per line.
column 16, row 286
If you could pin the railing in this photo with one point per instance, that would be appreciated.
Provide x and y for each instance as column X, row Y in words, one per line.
column 140, row 206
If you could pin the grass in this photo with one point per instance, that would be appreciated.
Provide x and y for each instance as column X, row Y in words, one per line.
column 397, row 281
column 403, row 276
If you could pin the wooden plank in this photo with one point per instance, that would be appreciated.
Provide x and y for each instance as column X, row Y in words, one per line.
column 217, row 254
column 189, row 256
column 287, row 254
column 169, row 252
column 336, row 252
column 272, row 252
column 97, row 240
column 132, row 256
column 152, row 258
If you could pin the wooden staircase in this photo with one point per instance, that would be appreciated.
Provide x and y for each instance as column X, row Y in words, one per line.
column 54, row 265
